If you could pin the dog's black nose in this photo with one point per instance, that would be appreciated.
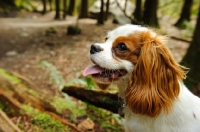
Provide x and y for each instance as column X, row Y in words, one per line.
column 95, row 48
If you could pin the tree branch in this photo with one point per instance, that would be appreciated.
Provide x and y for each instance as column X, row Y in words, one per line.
column 11, row 124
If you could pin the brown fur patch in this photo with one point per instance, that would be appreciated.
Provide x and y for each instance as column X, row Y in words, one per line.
column 153, row 85
column 133, row 45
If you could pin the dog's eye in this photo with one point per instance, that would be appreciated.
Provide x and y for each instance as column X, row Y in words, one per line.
column 106, row 38
column 122, row 47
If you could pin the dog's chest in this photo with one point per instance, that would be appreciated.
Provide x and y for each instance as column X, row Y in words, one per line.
column 163, row 123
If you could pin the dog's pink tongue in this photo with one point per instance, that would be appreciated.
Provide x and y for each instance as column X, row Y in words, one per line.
column 92, row 70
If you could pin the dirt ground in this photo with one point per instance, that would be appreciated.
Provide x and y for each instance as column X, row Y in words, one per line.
column 24, row 43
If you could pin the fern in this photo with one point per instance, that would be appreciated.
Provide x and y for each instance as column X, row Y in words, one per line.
column 54, row 74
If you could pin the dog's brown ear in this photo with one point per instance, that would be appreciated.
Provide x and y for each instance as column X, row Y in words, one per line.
column 103, row 86
column 153, row 84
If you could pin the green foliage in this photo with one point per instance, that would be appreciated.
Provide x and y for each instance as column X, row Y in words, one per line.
column 54, row 74
column 105, row 118
column 21, row 126
column 45, row 121
column 195, row 8
column 25, row 4
column 173, row 7
column 102, row 116
column 57, row 79
column 76, row 82
column 90, row 83
column 108, row 126
column 170, row 7
column 189, row 29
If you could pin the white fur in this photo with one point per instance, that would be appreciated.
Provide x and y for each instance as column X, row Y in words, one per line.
column 185, row 114
column 184, row 117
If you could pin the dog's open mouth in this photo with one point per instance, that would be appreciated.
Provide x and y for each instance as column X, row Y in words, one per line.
column 102, row 73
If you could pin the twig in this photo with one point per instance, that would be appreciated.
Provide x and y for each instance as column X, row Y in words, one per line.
column 5, row 117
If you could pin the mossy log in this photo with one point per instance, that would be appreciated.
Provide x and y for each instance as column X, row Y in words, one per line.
column 101, row 99
column 16, row 94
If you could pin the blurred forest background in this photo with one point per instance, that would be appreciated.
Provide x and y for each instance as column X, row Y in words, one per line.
column 44, row 46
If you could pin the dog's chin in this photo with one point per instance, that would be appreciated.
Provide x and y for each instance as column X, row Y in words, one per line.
column 103, row 86
column 108, row 77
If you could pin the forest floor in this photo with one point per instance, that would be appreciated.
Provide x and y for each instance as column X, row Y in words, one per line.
column 30, row 38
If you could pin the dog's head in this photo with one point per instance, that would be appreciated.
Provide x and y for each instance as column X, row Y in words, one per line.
column 139, row 55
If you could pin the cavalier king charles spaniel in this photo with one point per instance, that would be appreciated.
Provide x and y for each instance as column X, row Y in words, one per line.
column 149, row 81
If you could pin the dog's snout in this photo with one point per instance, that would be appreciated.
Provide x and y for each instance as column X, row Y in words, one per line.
column 95, row 49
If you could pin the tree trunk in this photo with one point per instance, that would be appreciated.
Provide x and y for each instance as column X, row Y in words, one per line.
column 185, row 13
column 84, row 9
column 71, row 7
column 8, row 5
column 138, row 10
column 10, row 2
column 64, row 9
column 57, row 3
column 150, row 13
column 50, row 5
column 101, row 14
column 44, row 2
column 192, row 59
column 107, row 9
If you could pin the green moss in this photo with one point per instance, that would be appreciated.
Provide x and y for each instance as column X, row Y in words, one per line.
column 34, row 93
column 54, row 74
column 105, row 118
column 108, row 126
column 45, row 121
column 9, row 76
column 16, row 80
column 21, row 126
column 62, row 104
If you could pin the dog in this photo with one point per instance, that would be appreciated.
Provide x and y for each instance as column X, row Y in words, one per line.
column 149, row 80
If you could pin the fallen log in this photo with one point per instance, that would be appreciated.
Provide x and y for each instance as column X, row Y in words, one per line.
column 101, row 99
column 16, row 94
